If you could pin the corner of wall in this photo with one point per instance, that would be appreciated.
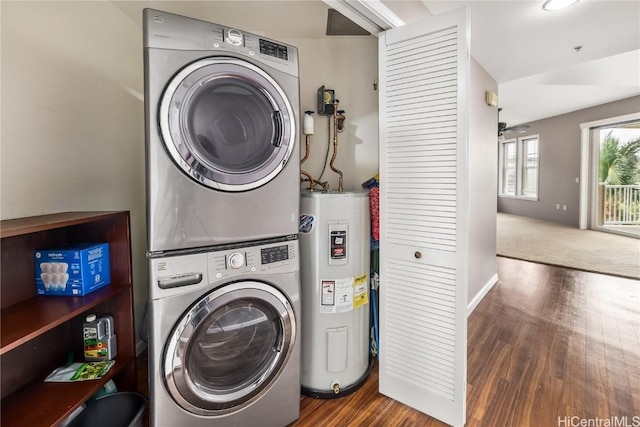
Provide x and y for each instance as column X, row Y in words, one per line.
column 480, row 295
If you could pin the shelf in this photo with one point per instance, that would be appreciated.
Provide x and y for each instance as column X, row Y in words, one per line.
column 28, row 319
column 38, row 332
column 35, row 224
column 55, row 401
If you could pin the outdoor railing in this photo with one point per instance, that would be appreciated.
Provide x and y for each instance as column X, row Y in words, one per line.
column 620, row 204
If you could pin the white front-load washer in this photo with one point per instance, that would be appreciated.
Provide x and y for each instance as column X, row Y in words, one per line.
column 224, row 336
column 222, row 134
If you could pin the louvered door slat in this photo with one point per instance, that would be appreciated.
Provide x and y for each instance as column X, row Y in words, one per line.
column 421, row 106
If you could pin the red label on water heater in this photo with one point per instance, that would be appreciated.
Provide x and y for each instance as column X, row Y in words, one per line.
column 338, row 244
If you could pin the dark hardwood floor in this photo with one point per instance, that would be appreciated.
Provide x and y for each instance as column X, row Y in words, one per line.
column 545, row 344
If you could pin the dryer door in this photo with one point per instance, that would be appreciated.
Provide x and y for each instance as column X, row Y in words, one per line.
column 229, row 347
column 227, row 124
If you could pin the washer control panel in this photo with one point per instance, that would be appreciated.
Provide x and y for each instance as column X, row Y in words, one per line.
column 177, row 274
column 272, row 258
column 274, row 254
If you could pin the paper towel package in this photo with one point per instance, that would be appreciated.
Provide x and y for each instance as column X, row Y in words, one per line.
column 72, row 270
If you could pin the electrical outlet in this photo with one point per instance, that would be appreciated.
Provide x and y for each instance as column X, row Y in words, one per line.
column 558, row 206
column 564, row 207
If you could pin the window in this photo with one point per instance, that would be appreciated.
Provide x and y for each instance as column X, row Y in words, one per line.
column 530, row 167
column 519, row 165
column 508, row 163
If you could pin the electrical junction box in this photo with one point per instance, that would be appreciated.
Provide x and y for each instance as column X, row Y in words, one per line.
column 325, row 101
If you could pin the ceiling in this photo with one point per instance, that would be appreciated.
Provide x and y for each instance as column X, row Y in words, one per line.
column 285, row 19
column 529, row 51
column 532, row 55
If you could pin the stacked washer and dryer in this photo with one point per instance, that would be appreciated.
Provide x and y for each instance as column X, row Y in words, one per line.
column 221, row 113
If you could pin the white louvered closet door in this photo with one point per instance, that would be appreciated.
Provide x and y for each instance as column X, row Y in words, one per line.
column 424, row 79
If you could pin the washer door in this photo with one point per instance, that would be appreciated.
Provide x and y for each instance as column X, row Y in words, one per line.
column 227, row 124
column 229, row 347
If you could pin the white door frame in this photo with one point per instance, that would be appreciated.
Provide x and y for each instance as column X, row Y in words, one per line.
column 585, row 162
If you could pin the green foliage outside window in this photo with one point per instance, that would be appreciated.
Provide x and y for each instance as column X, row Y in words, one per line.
column 619, row 163
column 619, row 176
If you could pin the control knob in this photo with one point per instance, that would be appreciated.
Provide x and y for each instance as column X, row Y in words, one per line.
column 234, row 37
column 236, row 260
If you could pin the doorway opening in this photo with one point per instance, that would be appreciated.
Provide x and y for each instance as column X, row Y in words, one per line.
column 613, row 148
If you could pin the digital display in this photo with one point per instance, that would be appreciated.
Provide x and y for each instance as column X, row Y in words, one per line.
column 274, row 49
column 274, row 254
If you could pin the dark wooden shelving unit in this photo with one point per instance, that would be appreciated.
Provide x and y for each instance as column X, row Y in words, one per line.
column 39, row 333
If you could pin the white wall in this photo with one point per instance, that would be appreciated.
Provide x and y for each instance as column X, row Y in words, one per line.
column 349, row 65
column 483, row 173
column 72, row 133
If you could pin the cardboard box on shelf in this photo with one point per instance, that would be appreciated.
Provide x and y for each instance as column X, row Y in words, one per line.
column 72, row 270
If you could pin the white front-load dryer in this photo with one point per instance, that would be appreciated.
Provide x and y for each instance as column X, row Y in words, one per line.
column 222, row 134
column 224, row 345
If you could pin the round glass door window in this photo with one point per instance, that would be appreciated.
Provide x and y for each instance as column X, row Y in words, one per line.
column 228, row 347
column 227, row 124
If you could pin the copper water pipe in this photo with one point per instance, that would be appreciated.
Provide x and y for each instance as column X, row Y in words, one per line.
column 312, row 182
column 335, row 144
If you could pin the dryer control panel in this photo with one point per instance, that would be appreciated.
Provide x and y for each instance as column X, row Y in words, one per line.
column 164, row 30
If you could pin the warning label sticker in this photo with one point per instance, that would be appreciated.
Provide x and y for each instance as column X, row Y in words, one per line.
column 360, row 294
column 341, row 298
column 339, row 244
column 328, row 292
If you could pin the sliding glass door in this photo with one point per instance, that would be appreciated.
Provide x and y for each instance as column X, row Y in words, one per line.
column 616, row 178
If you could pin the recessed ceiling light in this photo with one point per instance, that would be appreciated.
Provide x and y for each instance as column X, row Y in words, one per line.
column 557, row 4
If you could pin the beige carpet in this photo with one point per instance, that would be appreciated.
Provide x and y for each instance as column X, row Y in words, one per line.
column 556, row 244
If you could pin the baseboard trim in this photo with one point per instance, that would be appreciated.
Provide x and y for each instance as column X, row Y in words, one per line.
column 484, row 291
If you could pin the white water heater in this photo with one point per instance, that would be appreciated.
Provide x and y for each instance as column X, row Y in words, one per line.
column 334, row 274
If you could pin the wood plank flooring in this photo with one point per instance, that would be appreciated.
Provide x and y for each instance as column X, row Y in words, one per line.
column 546, row 344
